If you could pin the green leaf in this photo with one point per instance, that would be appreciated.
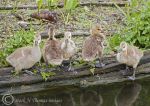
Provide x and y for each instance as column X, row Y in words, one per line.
column 92, row 70
column 71, row 4
column 39, row 3
column 46, row 75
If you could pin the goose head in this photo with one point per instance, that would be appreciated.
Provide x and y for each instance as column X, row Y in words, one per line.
column 68, row 35
column 37, row 39
column 96, row 30
column 51, row 32
column 123, row 47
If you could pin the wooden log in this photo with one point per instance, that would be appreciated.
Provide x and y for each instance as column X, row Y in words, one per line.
column 32, row 7
column 83, row 78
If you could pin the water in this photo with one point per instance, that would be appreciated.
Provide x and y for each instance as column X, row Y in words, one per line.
column 118, row 94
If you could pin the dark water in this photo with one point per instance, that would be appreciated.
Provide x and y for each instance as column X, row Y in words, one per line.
column 118, row 94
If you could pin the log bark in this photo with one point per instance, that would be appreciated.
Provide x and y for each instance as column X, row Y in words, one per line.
column 32, row 7
column 83, row 78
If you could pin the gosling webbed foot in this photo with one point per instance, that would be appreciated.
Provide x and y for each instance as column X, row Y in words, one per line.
column 131, row 78
column 28, row 72
column 65, row 66
column 99, row 65
column 71, row 69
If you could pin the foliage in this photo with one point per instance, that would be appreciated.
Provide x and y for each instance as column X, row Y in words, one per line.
column 39, row 4
column 45, row 75
column 114, row 41
column 70, row 4
column 52, row 3
column 19, row 39
column 137, row 29
column 92, row 70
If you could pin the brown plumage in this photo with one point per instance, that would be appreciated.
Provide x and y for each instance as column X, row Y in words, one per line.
column 129, row 55
column 52, row 52
column 46, row 15
column 25, row 57
column 93, row 45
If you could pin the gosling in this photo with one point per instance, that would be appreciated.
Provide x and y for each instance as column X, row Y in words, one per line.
column 68, row 48
column 52, row 52
column 25, row 57
column 94, row 45
column 129, row 55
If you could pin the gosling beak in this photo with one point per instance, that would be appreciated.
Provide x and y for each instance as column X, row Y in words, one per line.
column 105, row 44
column 66, row 41
column 119, row 50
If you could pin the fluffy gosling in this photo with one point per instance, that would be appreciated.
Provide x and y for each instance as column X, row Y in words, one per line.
column 52, row 52
column 129, row 55
column 68, row 48
column 94, row 45
column 25, row 57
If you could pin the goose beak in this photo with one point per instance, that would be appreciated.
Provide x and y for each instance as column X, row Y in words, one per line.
column 119, row 50
column 66, row 41
column 105, row 44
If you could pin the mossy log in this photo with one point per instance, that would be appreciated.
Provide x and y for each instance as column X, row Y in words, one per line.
column 32, row 7
column 83, row 78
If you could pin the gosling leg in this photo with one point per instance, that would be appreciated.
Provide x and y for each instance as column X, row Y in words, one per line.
column 133, row 76
column 46, row 69
column 70, row 66
column 29, row 71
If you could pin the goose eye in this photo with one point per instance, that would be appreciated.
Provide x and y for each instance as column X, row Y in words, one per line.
column 124, row 46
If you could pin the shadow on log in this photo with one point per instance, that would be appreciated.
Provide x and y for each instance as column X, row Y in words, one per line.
column 83, row 78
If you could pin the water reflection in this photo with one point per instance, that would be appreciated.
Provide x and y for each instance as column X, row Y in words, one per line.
column 128, row 95
column 122, row 94
column 90, row 98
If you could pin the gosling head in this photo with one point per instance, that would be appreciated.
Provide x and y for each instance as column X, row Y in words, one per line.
column 51, row 32
column 123, row 47
column 37, row 39
column 68, row 35
column 96, row 30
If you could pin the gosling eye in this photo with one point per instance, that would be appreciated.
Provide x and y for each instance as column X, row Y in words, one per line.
column 124, row 47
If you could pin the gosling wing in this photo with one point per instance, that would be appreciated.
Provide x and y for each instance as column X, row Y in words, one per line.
column 16, row 56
